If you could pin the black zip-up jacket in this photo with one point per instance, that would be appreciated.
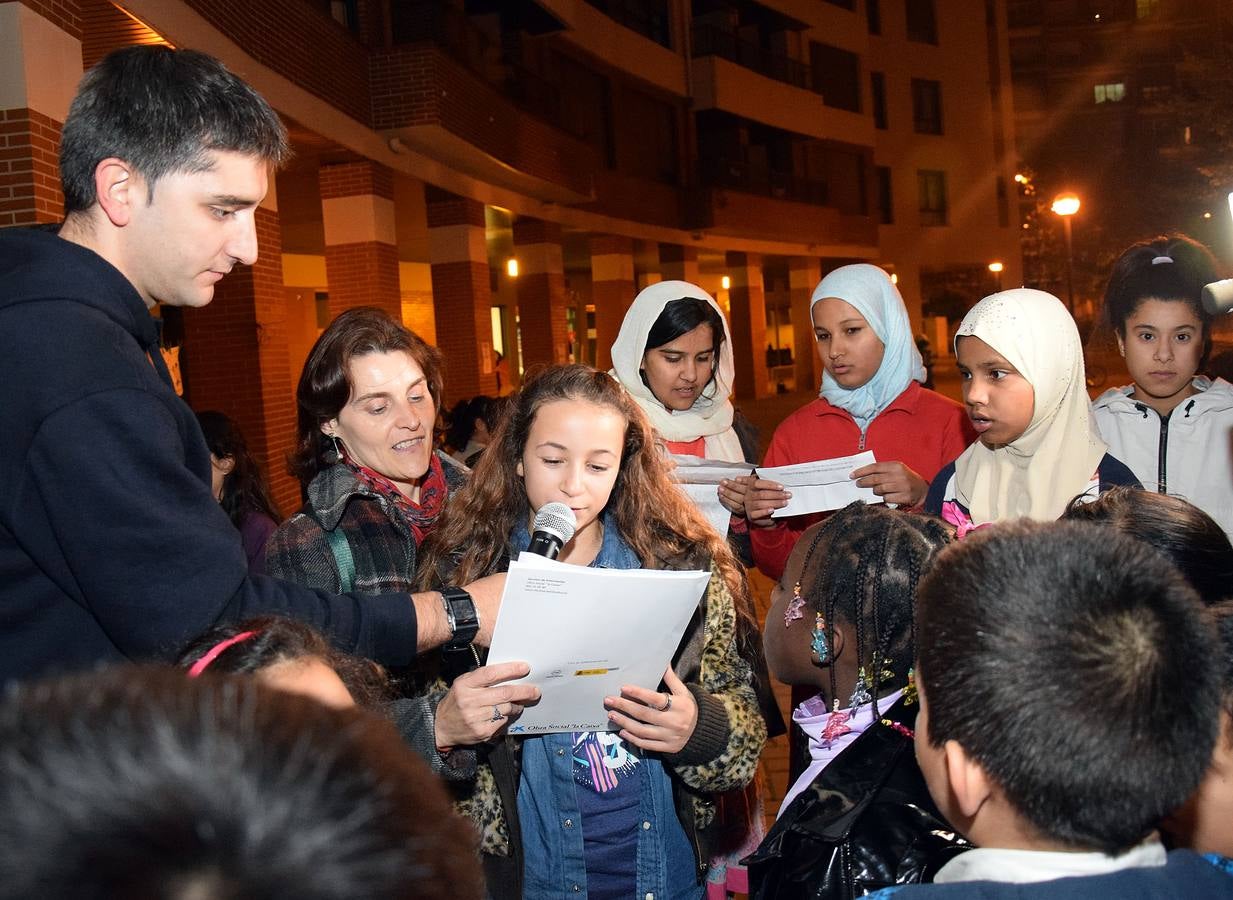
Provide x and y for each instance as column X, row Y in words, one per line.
column 112, row 546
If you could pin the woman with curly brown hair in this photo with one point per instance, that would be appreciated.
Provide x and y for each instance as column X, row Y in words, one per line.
column 622, row 812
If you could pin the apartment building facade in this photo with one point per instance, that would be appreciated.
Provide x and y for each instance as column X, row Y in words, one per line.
column 505, row 175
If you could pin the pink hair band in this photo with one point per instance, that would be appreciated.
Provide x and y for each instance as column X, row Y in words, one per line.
column 213, row 653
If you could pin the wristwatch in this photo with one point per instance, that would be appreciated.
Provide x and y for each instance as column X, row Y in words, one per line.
column 462, row 617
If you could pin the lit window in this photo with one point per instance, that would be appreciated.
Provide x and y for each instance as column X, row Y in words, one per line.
column 1111, row 93
column 1145, row 8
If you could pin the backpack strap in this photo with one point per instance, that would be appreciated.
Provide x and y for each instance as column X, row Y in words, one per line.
column 341, row 548
column 344, row 561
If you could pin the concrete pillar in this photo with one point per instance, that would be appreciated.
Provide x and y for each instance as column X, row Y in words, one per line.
column 235, row 356
column 678, row 263
column 461, row 293
column 361, row 255
column 541, row 292
column 747, row 298
column 612, row 290
column 40, row 65
column 804, row 273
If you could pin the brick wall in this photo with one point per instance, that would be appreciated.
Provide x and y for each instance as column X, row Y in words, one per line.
column 235, row 359
column 64, row 14
column 420, row 85
column 461, row 300
column 29, row 168
column 364, row 274
column 300, row 43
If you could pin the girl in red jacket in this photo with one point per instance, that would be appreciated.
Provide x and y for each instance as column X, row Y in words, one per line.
column 870, row 400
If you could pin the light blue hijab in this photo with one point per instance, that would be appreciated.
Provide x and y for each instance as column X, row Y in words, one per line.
column 869, row 290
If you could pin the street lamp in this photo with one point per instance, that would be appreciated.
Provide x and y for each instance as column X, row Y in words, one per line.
column 1066, row 205
column 996, row 268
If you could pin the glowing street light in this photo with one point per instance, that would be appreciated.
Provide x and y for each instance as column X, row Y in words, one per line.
column 996, row 268
column 725, row 282
column 1066, row 205
column 511, row 267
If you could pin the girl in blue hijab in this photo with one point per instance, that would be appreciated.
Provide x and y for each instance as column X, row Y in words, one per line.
column 871, row 399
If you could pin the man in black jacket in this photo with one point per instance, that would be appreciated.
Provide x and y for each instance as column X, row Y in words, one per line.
column 111, row 544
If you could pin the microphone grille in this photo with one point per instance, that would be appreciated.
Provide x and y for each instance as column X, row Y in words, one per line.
column 557, row 519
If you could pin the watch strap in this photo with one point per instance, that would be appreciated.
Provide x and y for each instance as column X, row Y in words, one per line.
column 462, row 616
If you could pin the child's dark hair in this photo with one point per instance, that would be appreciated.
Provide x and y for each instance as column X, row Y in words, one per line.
column 162, row 111
column 138, row 782
column 1222, row 614
column 681, row 317
column 1078, row 668
column 871, row 560
column 277, row 640
column 1142, row 273
column 1188, row 536
column 463, row 416
column 244, row 487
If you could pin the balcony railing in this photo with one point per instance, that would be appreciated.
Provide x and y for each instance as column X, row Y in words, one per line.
column 647, row 17
column 711, row 41
column 738, row 175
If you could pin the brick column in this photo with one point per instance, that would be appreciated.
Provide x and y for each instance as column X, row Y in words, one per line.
column 678, row 263
column 541, row 291
column 235, row 356
column 43, row 49
column 747, row 299
column 461, row 292
column 612, row 290
column 361, row 256
column 804, row 273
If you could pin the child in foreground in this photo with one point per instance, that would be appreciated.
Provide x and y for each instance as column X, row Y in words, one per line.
column 1070, row 692
column 626, row 811
column 859, row 817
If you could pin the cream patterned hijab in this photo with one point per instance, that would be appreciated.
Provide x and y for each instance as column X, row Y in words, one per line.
column 711, row 414
column 1053, row 461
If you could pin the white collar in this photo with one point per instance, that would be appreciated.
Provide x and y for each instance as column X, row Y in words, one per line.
column 1029, row 866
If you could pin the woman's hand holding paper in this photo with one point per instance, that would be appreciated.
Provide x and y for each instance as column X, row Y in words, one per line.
column 478, row 705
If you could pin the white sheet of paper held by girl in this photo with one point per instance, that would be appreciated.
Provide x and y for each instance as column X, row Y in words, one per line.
column 821, row 485
column 585, row 632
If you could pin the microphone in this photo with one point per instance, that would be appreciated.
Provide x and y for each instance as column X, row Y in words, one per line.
column 554, row 526
column 1218, row 296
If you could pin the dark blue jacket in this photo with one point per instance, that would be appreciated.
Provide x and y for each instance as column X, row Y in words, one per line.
column 1186, row 876
column 112, row 546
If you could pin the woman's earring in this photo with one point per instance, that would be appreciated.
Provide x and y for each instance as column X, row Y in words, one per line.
column 818, row 641
column 333, row 455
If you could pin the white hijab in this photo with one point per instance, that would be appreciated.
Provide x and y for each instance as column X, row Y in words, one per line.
column 1039, row 472
column 711, row 414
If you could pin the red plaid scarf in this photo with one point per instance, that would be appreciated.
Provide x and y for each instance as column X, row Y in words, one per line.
column 420, row 516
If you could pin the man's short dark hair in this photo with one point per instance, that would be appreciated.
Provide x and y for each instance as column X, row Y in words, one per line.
column 162, row 111
column 144, row 783
column 1077, row 667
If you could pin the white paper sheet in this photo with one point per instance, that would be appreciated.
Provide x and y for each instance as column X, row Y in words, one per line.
column 585, row 632
column 706, row 498
column 699, row 479
column 696, row 470
column 821, row 485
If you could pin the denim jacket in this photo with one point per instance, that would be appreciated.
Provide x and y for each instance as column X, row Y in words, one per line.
column 554, row 860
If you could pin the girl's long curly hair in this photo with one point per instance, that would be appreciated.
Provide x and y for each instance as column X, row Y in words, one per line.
column 655, row 517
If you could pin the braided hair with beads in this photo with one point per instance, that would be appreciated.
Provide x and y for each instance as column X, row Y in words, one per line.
column 866, row 575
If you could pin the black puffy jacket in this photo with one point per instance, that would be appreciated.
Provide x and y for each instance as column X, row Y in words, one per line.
column 865, row 823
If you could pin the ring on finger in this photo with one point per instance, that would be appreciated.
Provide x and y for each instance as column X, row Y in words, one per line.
column 497, row 715
column 667, row 704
